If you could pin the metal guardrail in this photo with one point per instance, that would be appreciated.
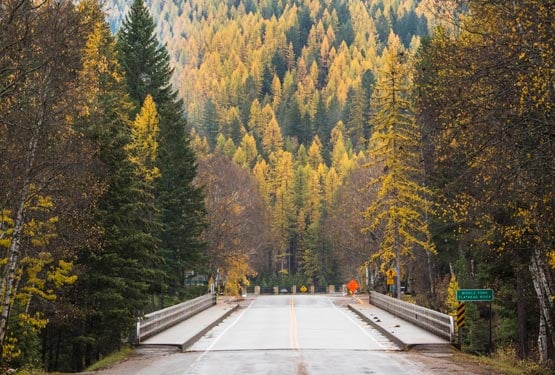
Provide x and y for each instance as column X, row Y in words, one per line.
column 431, row 320
column 160, row 320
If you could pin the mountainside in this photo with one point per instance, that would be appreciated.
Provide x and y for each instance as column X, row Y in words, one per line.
column 309, row 62
column 285, row 90
column 273, row 143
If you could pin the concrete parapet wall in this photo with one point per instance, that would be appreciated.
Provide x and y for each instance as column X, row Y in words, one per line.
column 160, row 320
column 431, row 320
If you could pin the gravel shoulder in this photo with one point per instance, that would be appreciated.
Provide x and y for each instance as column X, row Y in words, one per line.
column 453, row 362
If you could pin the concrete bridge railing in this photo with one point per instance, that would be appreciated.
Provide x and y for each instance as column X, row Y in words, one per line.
column 431, row 320
column 160, row 320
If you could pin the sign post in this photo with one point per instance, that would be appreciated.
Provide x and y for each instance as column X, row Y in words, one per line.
column 477, row 295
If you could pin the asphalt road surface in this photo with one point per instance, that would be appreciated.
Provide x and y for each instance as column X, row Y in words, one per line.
column 298, row 335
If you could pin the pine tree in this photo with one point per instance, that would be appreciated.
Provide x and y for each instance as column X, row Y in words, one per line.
column 179, row 201
column 114, row 286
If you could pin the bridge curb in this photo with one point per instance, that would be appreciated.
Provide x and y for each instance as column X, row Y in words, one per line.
column 201, row 333
column 402, row 345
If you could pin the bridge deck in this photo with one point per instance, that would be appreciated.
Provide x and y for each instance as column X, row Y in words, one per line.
column 403, row 333
column 188, row 331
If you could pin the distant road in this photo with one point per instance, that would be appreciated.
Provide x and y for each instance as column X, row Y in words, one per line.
column 298, row 335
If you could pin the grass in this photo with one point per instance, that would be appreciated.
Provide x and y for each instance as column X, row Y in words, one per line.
column 505, row 362
column 105, row 362
column 111, row 359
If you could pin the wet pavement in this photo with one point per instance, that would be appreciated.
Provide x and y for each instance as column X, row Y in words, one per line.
column 406, row 335
column 285, row 334
column 185, row 333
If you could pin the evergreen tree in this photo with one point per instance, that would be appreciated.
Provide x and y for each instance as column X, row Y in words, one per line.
column 367, row 83
column 118, row 273
column 179, row 201
column 210, row 119
column 354, row 117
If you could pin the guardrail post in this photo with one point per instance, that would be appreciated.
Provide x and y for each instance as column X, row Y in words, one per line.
column 138, row 331
column 452, row 329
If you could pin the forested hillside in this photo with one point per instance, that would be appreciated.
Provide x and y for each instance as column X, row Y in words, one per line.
column 148, row 146
column 284, row 89
column 291, row 92
column 306, row 60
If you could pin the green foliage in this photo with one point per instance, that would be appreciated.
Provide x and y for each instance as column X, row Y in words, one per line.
column 301, row 94
column 484, row 108
column 507, row 361
column 117, row 273
column 23, row 345
column 452, row 302
column 111, row 359
column 48, row 186
column 178, row 201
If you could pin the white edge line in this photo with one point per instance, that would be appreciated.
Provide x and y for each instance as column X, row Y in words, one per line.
column 211, row 346
column 357, row 325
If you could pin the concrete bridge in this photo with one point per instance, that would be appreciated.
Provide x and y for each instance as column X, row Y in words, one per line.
column 407, row 325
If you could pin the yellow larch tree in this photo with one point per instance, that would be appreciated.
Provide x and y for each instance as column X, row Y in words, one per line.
column 260, row 172
column 272, row 140
column 283, row 206
column 143, row 148
column 315, row 153
column 399, row 205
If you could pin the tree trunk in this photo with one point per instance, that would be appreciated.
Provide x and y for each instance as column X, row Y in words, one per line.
column 8, row 283
column 397, row 261
column 8, row 286
column 542, row 286
column 522, row 312
column 542, row 340
column 430, row 273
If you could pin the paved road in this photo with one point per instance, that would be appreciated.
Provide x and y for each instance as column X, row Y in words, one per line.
column 299, row 335
column 301, row 322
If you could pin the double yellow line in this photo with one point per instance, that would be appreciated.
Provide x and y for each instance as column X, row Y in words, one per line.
column 293, row 328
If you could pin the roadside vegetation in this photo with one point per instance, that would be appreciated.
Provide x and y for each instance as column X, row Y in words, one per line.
column 169, row 146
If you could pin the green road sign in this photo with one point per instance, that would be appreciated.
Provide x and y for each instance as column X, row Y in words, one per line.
column 475, row 295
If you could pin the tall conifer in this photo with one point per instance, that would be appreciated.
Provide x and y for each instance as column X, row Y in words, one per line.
column 179, row 201
column 400, row 204
column 118, row 273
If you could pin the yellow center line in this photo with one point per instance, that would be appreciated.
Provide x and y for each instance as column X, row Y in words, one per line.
column 293, row 329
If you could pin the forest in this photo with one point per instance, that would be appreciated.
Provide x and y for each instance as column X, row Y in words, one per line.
column 147, row 145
